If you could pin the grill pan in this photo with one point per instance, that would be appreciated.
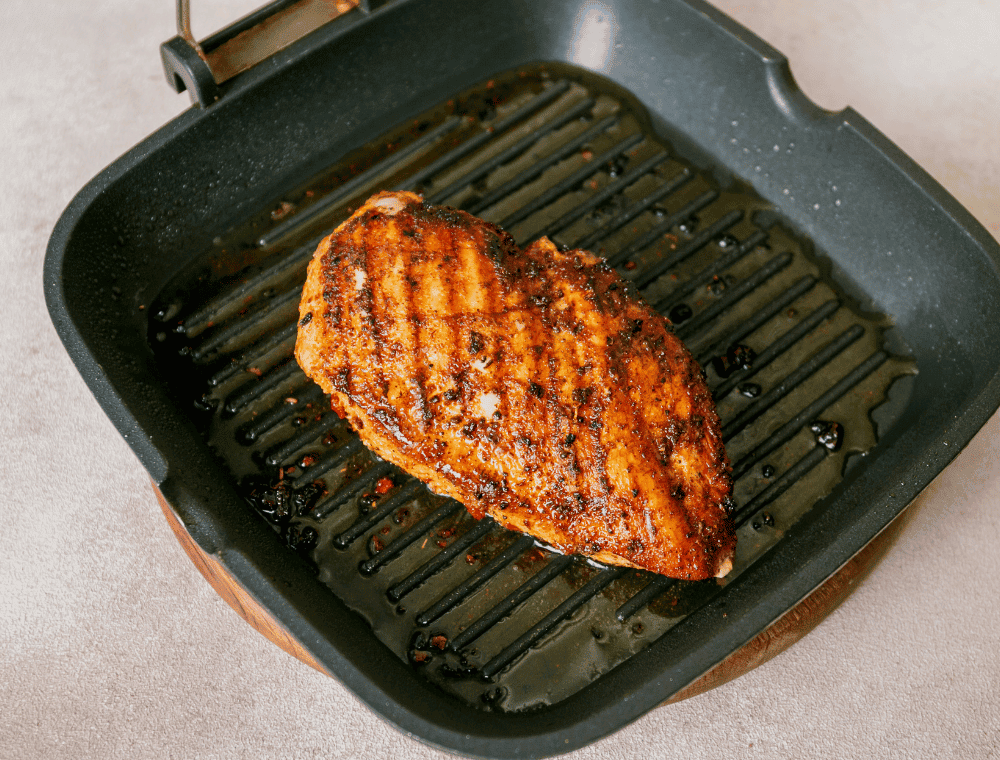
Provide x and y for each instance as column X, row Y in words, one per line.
column 812, row 268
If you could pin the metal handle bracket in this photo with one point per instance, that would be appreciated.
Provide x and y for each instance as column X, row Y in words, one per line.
column 200, row 67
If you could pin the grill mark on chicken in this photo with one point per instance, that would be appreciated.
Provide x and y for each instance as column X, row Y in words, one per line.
column 579, row 351
column 410, row 348
column 449, row 294
column 493, row 396
column 457, row 366
column 362, row 300
column 491, row 350
column 591, row 392
column 640, row 423
column 503, row 374
column 366, row 296
column 427, row 289
column 477, row 286
column 557, row 429
column 435, row 293
column 534, row 394
column 536, row 398
column 560, row 368
column 505, row 354
column 544, row 391
column 519, row 373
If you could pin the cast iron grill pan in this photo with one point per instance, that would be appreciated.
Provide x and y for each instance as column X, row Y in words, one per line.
column 456, row 644
column 488, row 615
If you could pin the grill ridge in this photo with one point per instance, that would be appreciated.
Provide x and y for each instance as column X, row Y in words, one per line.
column 577, row 111
column 223, row 305
column 656, row 586
column 348, row 189
column 392, row 550
column 458, row 594
column 243, row 328
column 304, row 395
column 405, row 493
column 255, row 353
column 787, row 479
column 339, row 498
column 761, row 316
column 456, row 155
column 791, row 381
column 632, row 212
column 546, row 624
column 284, row 450
column 438, row 562
column 536, row 169
column 699, row 241
column 587, row 170
column 665, row 304
column 613, row 188
column 659, row 231
column 808, row 413
column 250, row 392
column 556, row 566
column 330, row 460
column 757, row 279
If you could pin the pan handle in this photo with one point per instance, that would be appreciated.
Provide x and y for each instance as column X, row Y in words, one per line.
column 200, row 67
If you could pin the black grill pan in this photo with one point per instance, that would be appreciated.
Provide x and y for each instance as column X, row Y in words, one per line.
column 844, row 307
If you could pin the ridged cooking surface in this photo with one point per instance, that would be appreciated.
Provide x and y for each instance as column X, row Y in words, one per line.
column 799, row 377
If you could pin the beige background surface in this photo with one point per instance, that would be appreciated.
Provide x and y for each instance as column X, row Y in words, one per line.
column 111, row 644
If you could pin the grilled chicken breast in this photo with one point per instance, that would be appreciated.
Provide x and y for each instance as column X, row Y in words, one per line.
column 529, row 385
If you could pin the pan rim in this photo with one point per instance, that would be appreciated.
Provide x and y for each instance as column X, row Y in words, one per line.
column 655, row 687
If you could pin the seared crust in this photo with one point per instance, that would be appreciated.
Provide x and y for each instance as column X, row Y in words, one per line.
column 528, row 385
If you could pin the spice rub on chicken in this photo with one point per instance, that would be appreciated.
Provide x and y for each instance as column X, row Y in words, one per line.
column 530, row 385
